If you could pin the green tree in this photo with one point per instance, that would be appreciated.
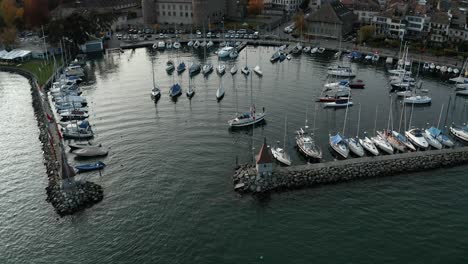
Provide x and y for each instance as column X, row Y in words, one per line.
column 365, row 33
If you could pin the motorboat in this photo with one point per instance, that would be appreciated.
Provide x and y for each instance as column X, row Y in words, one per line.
column 207, row 69
column 439, row 136
column 426, row 66
column 338, row 144
column 306, row 49
column 307, row 145
column 73, row 115
column 233, row 70
column 443, row 69
column 90, row 152
column 283, row 47
column 170, row 66
column 275, row 57
column 258, row 71
column 225, row 52
column 359, row 84
column 74, row 70
column 73, row 99
column 194, row 69
column 90, row 166
column 456, row 71
column 321, row 50
column 313, row 50
column 461, row 86
column 432, row 141
column 175, row 90
column 155, row 45
column 247, row 119
column 327, row 98
column 418, row 99
column 203, row 44
column 432, row 66
column 417, row 138
column 81, row 131
column 282, row 56
column 221, row 69
column 169, row 44
column 354, row 146
column 437, row 68
column 460, row 132
column 82, row 144
column 337, row 54
column 342, row 72
column 288, row 57
column 382, row 144
column 368, row 145
column 190, row 43
column 196, row 44
column 339, row 103
column 375, row 57
column 406, row 93
column 339, row 84
column 176, row 45
column 449, row 70
column 462, row 92
column 209, row 44
column 245, row 70
column 181, row 68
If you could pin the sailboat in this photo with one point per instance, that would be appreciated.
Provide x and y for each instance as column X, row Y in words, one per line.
column 155, row 92
column 257, row 68
column 181, row 67
column 416, row 135
column 170, row 66
column 279, row 153
column 435, row 137
column 220, row 92
column 379, row 140
column 191, row 89
column 339, row 144
column 221, row 69
column 245, row 70
column 305, row 141
column 353, row 143
column 233, row 70
column 194, row 69
column 249, row 118
column 388, row 134
column 208, row 67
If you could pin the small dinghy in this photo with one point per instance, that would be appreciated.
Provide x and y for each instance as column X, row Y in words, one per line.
column 357, row 84
column 80, row 145
column 91, row 166
column 90, row 152
column 233, row 70
column 339, row 103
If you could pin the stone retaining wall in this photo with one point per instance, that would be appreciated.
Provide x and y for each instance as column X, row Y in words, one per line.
column 65, row 200
column 245, row 179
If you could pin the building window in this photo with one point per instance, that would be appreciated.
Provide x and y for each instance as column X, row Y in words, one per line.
column 163, row 7
column 173, row 13
column 186, row 7
column 168, row 13
column 181, row 14
column 164, row 13
column 180, row 7
column 186, row 14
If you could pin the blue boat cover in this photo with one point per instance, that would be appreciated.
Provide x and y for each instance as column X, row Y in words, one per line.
column 175, row 89
column 84, row 124
column 344, row 82
column 400, row 137
column 335, row 139
column 434, row 131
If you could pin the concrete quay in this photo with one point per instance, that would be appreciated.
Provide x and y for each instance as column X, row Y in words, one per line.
column 245, row 178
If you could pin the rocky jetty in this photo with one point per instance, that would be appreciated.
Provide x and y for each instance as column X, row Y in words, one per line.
column 245, row 178
column 75, row 197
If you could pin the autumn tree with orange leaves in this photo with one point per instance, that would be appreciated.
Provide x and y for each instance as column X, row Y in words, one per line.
column 255, row 7
column 12, row 17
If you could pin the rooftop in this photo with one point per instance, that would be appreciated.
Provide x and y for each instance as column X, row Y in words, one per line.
column 265, row 155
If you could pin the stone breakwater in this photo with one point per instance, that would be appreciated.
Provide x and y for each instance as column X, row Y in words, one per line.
column 65, row 200
column 75, row 198
column 245, row 179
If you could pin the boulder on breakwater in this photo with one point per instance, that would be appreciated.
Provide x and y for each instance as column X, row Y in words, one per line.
column 245, row 178
column 75, row 197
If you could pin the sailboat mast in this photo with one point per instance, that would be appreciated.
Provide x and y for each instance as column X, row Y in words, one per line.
column 359, row 120
column 411, row 116
column 401, row 117
column 152, row 69
column 285, row 129
column 375, row 120
column 440, row 115
column 346, row 113
column 389, row 113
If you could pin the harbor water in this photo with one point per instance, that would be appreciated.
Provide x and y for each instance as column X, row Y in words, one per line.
column 168, row 195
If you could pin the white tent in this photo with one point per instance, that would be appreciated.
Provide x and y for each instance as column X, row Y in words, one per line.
column 15, row 54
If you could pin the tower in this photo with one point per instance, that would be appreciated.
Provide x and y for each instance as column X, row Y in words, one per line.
column 264, row 161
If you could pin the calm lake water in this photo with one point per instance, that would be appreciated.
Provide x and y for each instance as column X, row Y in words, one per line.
column 168, row 191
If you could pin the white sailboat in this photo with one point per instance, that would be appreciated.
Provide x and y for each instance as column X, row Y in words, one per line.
column 233, row 70
column 191, row 89
column 245, row 70
column 416, row 135
column 353, row 143
column 220, row 92
column 280, row 153
column 305, row 141
column 221, row 69
column 380, row 141
column 155, row 92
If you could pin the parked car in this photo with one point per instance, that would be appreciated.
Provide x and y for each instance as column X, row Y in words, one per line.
column 161, row 35
column 208, row 35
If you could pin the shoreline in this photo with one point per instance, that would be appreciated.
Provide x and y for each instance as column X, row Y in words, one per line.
column 85, row 194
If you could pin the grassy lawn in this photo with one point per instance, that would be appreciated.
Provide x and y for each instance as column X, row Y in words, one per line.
column 40, row 68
